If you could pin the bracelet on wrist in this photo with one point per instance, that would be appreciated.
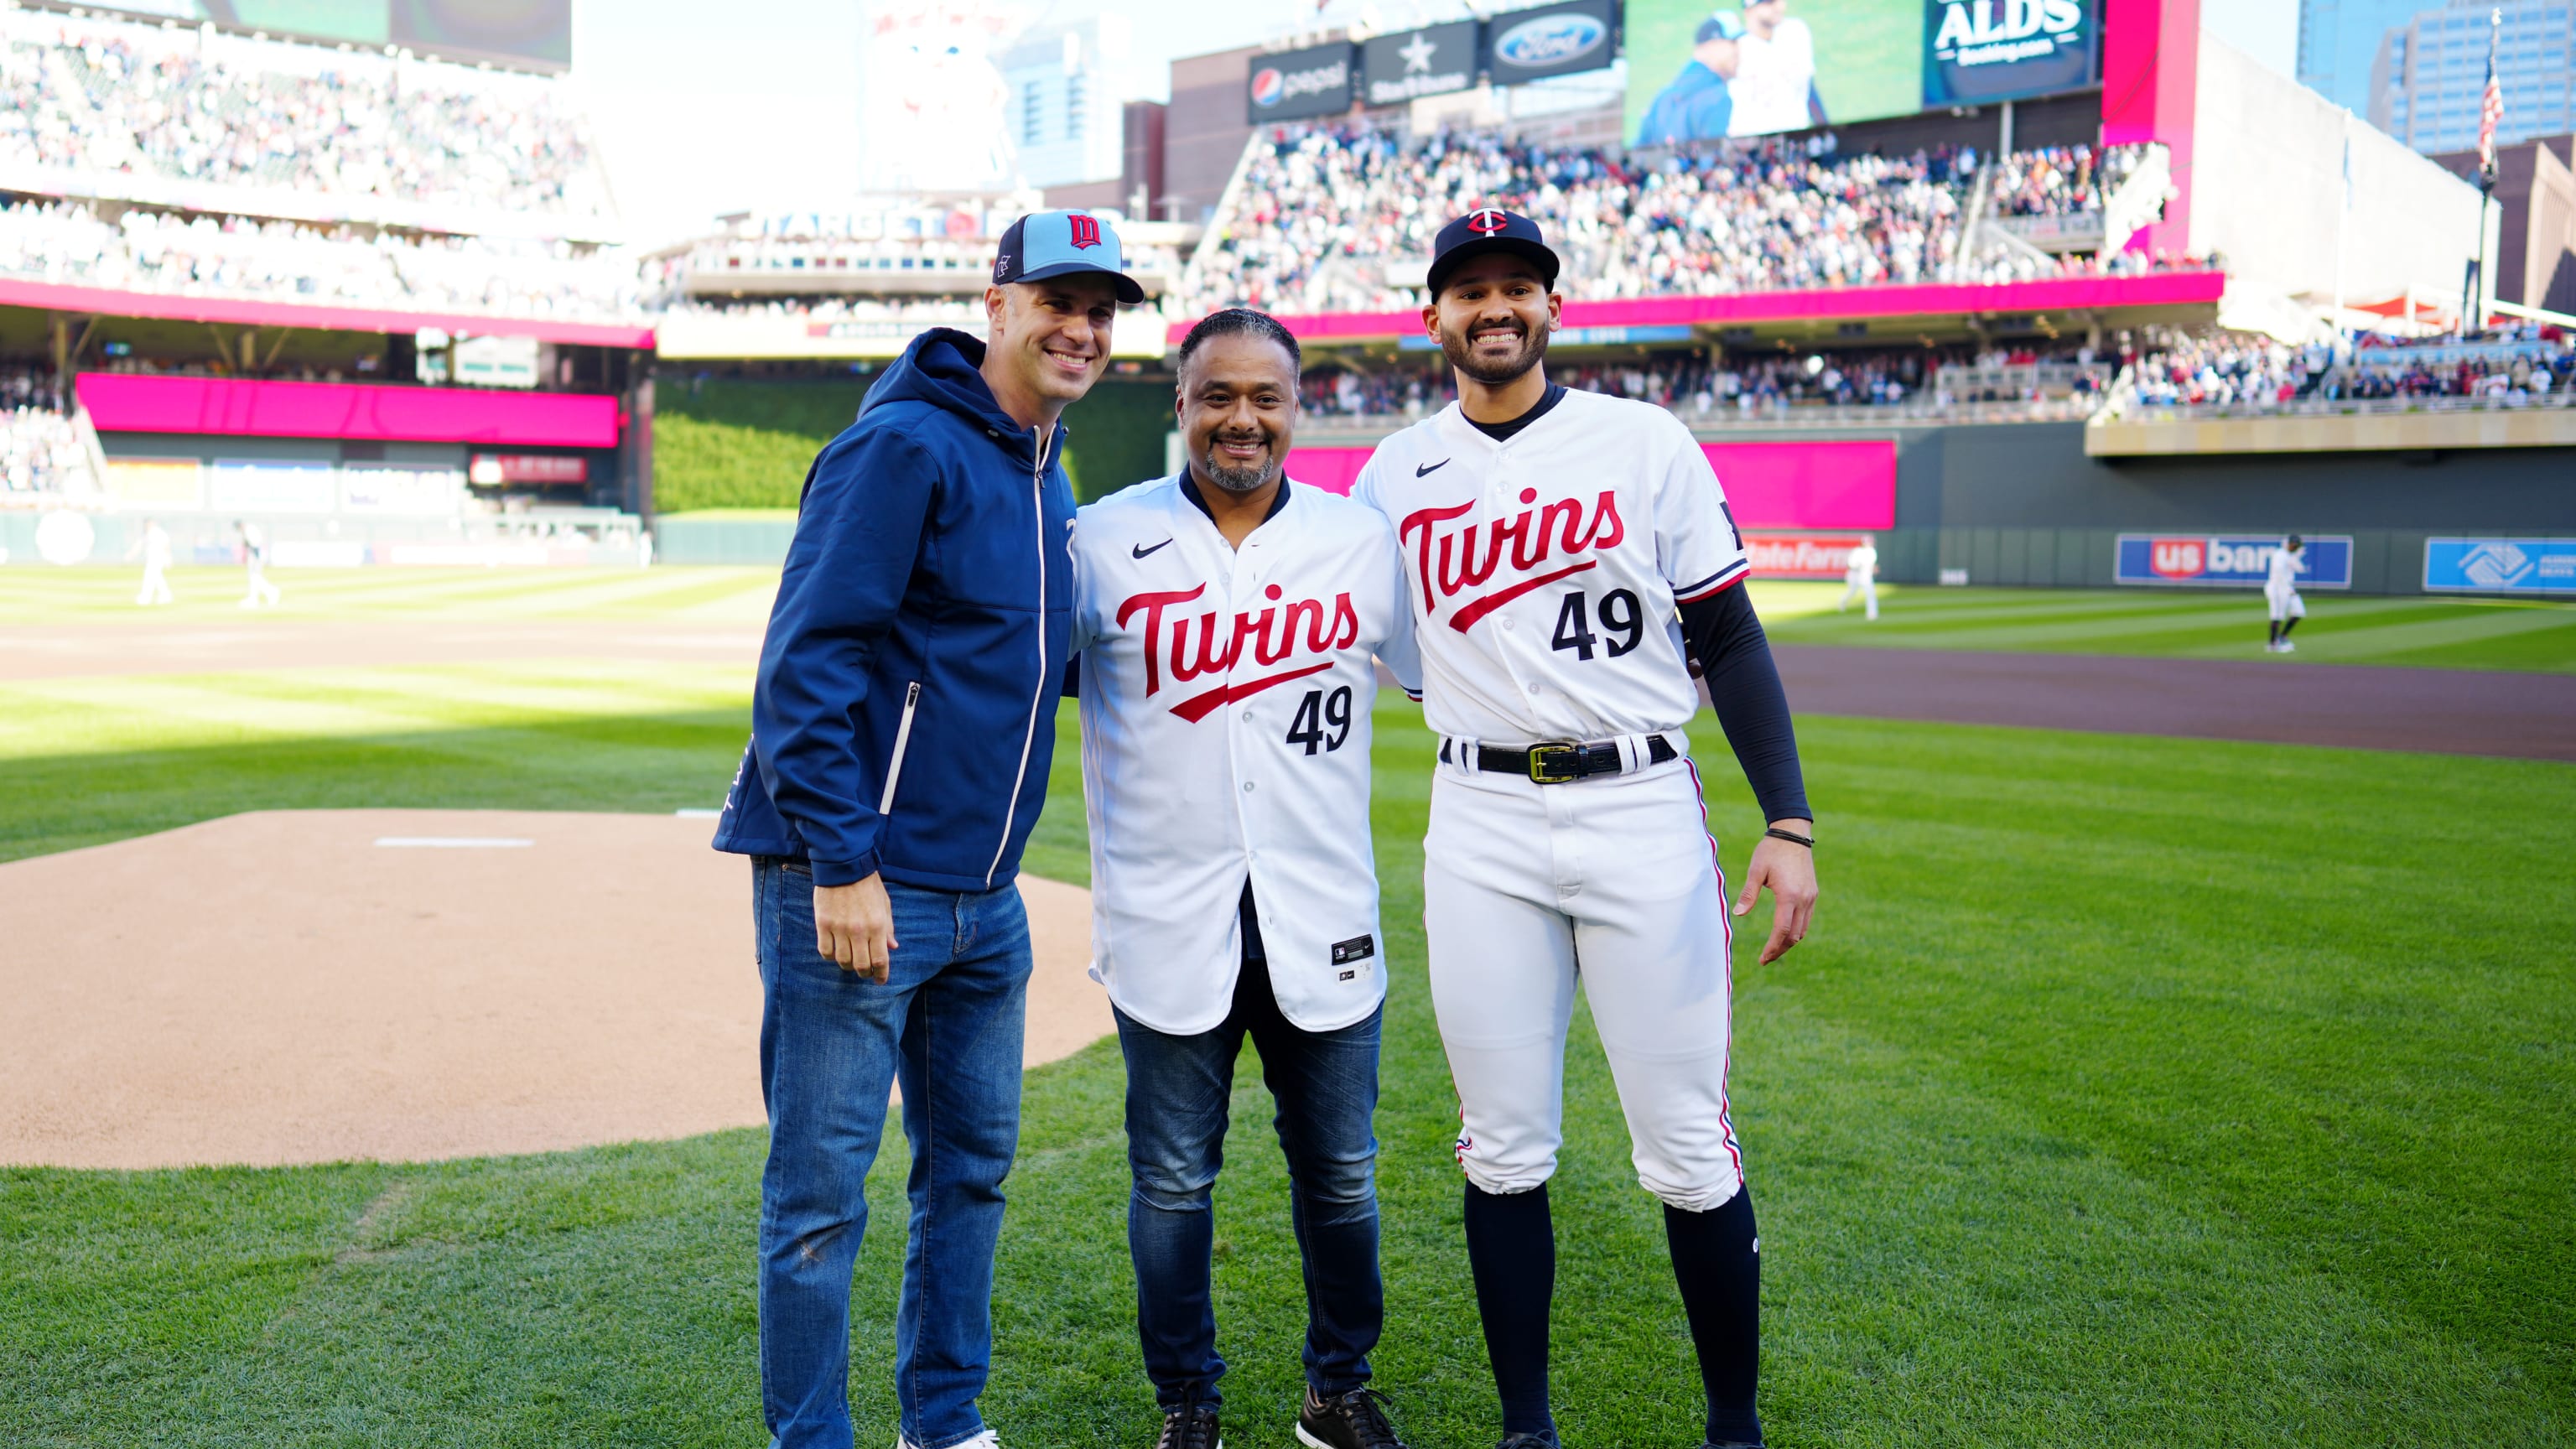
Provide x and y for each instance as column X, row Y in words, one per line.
column 1791, row 836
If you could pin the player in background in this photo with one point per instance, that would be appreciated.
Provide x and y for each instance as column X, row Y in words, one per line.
column 1226, row 621
column 1774, row 85
column 1549, row 538
column 154, row 545
column 1860, row 576
column 254, row 543
column 2281, row 593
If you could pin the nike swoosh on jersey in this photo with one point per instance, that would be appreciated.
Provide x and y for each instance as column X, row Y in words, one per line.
column 1140, row 550
column 1424, row 470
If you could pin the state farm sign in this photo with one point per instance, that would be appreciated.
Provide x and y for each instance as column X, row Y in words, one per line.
column 1801, row 555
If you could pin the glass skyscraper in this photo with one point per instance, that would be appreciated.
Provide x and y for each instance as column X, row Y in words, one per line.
column 2430, row 76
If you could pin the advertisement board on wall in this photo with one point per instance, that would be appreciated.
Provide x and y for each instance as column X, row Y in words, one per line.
column 1801, row 555
column 2227, row 561
column 1697, row 73
column 536, row 34
column 1299, row 84
column 1528, row 45
column 2500, row 565
column 1993, row 50
column 264, row 487
column 1433, row 61
column 425, row 490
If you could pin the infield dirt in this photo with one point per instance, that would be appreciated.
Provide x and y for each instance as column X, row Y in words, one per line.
column 278, row 987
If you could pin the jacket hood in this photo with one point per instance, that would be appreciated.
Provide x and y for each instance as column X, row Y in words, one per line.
column 942, row 367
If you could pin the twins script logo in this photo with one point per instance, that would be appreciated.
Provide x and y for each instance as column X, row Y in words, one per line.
column 1086, row 230
column 1273, row 634
column 1449, row 565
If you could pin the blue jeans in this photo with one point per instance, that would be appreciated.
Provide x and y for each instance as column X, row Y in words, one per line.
column 948, row 1024
column 1325, row 1084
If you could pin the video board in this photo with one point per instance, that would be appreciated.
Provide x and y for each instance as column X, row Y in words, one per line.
column 1759, row 67
column 527, row 34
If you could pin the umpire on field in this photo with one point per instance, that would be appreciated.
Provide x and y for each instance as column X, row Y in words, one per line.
column 902, row 724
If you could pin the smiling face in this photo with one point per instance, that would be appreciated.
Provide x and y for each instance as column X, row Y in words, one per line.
column 1238, row 409
column 1719, row 54
column 1493, row 318
column 1049, row 341
column 1764, row 16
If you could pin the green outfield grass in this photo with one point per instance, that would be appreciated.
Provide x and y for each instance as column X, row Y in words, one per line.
column 2130, row 1091
column 2196, row 624
column 212, row 595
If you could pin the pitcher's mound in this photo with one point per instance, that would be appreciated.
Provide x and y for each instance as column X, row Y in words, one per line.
column 405, row 985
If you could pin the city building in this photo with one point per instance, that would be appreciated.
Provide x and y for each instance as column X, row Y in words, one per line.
column 2430, row 77
column 2339, row 42
column 1066, row 87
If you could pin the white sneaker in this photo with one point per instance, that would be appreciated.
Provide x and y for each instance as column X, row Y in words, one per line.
column 986, row 1440
column 2289, row 646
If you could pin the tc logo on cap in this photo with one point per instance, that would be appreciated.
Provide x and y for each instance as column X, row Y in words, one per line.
column 1487, row 222
column 1086, row 230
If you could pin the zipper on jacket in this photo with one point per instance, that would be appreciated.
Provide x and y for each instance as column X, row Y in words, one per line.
column 902, row 742
column 1028, row 742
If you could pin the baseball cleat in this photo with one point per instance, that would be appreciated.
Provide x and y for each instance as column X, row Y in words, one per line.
column 1355, row 1419
column 1531, row 1441
column 1190, row 1426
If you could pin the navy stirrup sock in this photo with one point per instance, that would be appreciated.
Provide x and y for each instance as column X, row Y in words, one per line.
column 1511, row 1245
column 1718, row 1263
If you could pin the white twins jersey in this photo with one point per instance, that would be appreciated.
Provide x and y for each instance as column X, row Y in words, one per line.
column 1225, row 735
column 1544, row 570
column 2283, row 577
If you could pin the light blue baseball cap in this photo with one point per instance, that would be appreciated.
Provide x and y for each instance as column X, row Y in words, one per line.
column 1047, row 244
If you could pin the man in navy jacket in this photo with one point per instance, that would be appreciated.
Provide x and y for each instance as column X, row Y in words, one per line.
column 902, row 725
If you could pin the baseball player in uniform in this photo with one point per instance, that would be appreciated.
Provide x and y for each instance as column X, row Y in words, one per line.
column 2281, row 593
column 1568, row 556
column 1860, row 578
column 1225, row 621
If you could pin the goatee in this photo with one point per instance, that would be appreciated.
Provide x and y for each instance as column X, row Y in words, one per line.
column 1246, row 479
column 1462, row 356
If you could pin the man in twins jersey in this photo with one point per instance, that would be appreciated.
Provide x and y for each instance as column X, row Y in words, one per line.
column 1225, row 622
column 1568, row 556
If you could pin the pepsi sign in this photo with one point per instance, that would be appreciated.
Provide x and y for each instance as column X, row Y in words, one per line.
column 1297, row 85
column 2227, row 561
column 1528, row 45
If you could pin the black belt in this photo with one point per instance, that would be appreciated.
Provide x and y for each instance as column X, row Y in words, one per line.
column 1557, row 761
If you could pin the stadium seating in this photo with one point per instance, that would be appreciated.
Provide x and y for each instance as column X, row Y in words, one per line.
column 1339, row 219
column 103, row 99
column 37, row 443
column 2235, row 372
column 147, row 250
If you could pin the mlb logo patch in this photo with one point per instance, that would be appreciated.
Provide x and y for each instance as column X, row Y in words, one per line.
column 1357, row 948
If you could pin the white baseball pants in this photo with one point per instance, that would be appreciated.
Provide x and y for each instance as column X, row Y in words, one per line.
column 1613, row 881
column 2285, row 604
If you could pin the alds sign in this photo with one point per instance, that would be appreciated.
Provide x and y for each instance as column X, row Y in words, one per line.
column 1996, row 50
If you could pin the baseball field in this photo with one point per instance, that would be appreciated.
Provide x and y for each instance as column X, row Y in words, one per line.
column 2131, row 1089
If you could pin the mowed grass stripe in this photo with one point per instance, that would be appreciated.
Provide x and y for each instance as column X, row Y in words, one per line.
column 206, row 594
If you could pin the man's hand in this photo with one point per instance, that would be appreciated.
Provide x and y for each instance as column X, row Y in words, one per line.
column 854, row 925
column 1789, row 871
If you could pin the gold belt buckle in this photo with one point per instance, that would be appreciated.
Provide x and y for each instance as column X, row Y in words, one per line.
column 1539, row 771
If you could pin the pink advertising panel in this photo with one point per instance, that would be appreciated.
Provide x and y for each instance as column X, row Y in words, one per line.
column 132, row 403
column 1768, row 485
column 53, row 296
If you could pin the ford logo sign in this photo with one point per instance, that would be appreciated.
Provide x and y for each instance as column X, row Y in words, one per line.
column 1550, row 40
column 1268, row 86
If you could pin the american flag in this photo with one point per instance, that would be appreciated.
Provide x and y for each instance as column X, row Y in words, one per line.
column 2491, row 108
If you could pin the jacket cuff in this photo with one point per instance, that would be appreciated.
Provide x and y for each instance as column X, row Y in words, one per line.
column 843, row 872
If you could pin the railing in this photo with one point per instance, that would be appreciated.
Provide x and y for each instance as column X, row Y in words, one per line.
column 1727, row 416
column 2133, row 411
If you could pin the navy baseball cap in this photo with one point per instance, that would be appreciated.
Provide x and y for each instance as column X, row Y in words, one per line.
column 1047, row 244
column 1720, row 26
column 1489, row 230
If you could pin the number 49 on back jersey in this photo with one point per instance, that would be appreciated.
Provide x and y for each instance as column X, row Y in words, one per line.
column 1544, row 569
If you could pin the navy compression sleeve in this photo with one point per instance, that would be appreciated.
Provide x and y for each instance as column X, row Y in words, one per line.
column 1726, row 642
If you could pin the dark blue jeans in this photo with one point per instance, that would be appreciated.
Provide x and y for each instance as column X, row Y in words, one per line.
column 1325, row 1084
column 948, row 1024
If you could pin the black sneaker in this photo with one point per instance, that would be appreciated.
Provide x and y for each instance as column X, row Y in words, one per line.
column 1531, row 1441
column 1352, row 1420
column 1191, row 1426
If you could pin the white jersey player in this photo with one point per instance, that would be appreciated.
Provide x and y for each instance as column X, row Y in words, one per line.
column 2281, row 593
column 1860, row 579
column 1549, row 538
column 1227, row 622
column 155, row 546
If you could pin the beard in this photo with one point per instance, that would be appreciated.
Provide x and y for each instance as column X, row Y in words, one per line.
column 1462, row 356
column 1246, row 479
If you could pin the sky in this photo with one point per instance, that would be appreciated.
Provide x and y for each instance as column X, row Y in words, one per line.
column 752, row 105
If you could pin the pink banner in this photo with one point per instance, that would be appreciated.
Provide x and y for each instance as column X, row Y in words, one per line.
column 135, row 403
column 1768, row 485
column 52, row 297
column 2161, row 289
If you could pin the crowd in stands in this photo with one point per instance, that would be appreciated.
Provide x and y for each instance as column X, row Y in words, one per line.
column 2238, row 370
column 37, row 443
column 1749, row 384
column 154, row 251
column 102, row 96
column 1322, row 212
